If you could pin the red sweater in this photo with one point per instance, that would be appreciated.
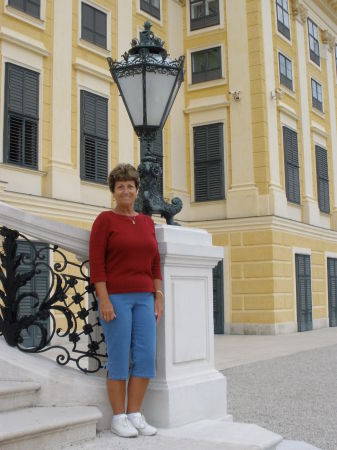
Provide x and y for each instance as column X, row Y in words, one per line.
column 123, row 254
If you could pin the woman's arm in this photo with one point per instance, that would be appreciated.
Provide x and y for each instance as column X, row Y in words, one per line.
column 158, row 299
column 105, row 306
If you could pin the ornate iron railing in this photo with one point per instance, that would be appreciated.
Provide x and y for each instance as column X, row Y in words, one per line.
column 66, row 310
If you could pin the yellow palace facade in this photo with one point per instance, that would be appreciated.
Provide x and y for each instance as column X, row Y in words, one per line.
column 250, row 145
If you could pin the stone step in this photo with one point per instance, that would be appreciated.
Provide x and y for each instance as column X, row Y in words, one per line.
column 17, row 394
column 43, row 428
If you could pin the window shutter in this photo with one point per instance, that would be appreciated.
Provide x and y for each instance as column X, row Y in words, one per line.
column 39, row 284
column 292, row 177
column 208, row 162
column 303, row 292
column 94, row 25
column 94, row 138
column 218, row 299
column 332, row 291
column 22, row 112
column 322, row 179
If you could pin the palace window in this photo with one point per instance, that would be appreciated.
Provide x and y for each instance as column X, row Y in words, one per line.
column 209, row 183
column 322, row 174
column 291, row 165
column 206, row 65
column 152, row 7
column 94, row 138
column 21, row 116
column 313, row 42
column 31, row 7
column 283, row 24
column 94, row 25
column 204, row 13
column 286, row 75
column 316, row 94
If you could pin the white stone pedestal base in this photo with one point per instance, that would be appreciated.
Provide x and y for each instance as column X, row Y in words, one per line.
column 187, row 388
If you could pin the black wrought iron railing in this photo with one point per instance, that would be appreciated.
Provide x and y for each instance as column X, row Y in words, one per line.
column 47, row 303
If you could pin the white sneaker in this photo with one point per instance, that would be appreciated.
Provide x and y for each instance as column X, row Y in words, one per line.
column 139, row 422
column 123, row 427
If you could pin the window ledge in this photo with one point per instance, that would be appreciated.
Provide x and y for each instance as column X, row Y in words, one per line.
column 18, row 168
column 94, row 184
column 318, row 112
column 202, row 30
column 318, row 67
column 206, row 84
column 94, row 48
column 21, row 15
column 288, row 91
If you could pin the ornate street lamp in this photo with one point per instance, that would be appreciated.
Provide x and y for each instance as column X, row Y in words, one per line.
column 148, row 82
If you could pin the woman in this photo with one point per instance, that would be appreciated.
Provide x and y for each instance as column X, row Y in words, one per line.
column 125, row 268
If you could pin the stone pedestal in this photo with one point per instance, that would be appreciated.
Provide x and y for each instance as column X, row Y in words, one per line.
column 187, row 387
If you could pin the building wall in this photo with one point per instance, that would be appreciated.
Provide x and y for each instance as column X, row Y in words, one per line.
column 258, row 227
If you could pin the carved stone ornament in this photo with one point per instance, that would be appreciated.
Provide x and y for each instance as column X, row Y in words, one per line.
column 328, row 39
column 299, row 11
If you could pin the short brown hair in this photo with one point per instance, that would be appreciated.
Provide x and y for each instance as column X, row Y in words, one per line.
column 123, row 172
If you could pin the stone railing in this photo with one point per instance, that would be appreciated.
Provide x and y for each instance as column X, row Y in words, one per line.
column 46, row 301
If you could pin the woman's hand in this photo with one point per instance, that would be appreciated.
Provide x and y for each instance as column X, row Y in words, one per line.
column 107, row 310
column 158, row 306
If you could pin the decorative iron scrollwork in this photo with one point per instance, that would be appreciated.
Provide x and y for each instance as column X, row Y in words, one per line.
column 69, row 300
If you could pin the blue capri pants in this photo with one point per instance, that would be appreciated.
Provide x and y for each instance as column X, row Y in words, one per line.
column 134, row 328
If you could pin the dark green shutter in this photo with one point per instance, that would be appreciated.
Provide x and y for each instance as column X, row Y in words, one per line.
column 157, row 150
column 94, row 138
column 332, row 291
column 218, row 299
column 303, row 292
column 39, row 284
column 208, row 162
column 21, row 116
column 291, row 165
column 322, row 174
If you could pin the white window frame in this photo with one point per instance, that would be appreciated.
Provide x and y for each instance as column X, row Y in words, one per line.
column 89, row 45
column 206, row 84
column 148, row 16
column 27, row 18
column 314, row 107
column 206, row 29
column 291, row 91
column 289, row 41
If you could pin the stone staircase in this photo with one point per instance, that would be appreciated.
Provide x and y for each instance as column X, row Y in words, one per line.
column 25, row 426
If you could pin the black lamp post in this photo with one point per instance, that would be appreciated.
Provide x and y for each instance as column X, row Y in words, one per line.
column 148, row 82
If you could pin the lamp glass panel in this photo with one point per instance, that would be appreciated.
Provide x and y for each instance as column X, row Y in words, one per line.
column 169, row 106
column 158, row 90
column 131, row 88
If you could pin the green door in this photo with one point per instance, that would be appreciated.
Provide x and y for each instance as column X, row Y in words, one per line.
column 303, row 292
column 332, row 291
column 218, row 299
column 38, row 284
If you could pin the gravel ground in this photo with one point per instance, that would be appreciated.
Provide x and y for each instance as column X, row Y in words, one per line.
column 294, row 396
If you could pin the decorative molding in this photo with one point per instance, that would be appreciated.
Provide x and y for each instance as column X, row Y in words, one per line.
column 266, row 223
column 23, row 41
column 319, row 131
column 84, row 66
column 282, row 107
column 299, row 11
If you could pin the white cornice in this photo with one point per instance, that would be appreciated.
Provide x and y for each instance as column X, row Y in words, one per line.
column 282, row 107
column 266, row 223
column 13, row 37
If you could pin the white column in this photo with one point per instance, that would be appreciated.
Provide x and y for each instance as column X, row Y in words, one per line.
column 177, row 141
column 310, row 206
column 125, row 129
column 63, row 180
column 331, row 68
column 242, row 199
column 277, row 196
column 187, row 387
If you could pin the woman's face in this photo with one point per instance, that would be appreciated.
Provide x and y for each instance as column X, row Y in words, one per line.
column 125, row 193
